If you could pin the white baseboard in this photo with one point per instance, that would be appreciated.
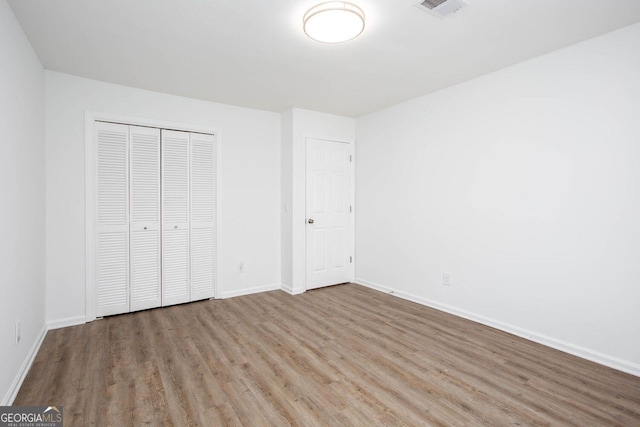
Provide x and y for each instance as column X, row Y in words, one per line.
column 585, row 353
column 248, row 291
column 24, row 369
column 291, row 290
column 63, row 323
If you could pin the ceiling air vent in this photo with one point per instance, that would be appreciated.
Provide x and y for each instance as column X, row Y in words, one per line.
column 441, row 8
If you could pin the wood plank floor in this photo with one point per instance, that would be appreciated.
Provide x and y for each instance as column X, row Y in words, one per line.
column 344, row 355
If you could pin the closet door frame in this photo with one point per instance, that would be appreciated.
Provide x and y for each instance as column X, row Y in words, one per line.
column 91, row 117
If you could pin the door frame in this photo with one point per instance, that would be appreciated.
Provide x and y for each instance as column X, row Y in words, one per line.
column 352, row 236
column 90, row 117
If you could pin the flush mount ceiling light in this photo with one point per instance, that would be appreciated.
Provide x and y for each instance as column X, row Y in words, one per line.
column 334, row 22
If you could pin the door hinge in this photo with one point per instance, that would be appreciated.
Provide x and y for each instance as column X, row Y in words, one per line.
column 350, row 208
column 350, row 158
column 351, row 259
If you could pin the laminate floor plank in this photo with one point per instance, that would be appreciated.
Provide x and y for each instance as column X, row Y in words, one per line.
column 343, row 355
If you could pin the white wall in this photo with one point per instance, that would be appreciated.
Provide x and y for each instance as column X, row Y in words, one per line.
column 297, row 125
column 525, row 185
column 249, row 189
column 22, row 238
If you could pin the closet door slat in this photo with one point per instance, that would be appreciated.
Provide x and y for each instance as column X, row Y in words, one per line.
column 175, row 217
column 203, row 187
column 112, row 219
column 145, row 218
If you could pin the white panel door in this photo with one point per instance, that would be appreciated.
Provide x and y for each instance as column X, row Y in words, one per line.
column 175, row 217
column 112, row 219
column 145, row 218
column 202, row 216
column 328, row 209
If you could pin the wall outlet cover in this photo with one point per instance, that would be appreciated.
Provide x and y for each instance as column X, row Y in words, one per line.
column 446, row 279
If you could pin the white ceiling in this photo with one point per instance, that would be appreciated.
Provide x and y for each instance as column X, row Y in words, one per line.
column 253, row 53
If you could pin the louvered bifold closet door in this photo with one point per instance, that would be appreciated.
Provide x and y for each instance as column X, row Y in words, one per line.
column 145, row 218
column 175, row 217
column 202, row 216
column 112, row 219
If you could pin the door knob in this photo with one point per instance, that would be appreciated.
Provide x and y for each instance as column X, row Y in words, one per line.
column 310, row 220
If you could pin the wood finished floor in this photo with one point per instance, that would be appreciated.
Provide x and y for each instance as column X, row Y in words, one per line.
column 344, row 355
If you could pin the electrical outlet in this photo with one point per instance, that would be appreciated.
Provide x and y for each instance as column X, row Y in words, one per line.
column 18, row 332
column 446, row 279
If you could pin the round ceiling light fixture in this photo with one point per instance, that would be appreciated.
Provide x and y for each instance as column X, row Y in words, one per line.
column 334, row 22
